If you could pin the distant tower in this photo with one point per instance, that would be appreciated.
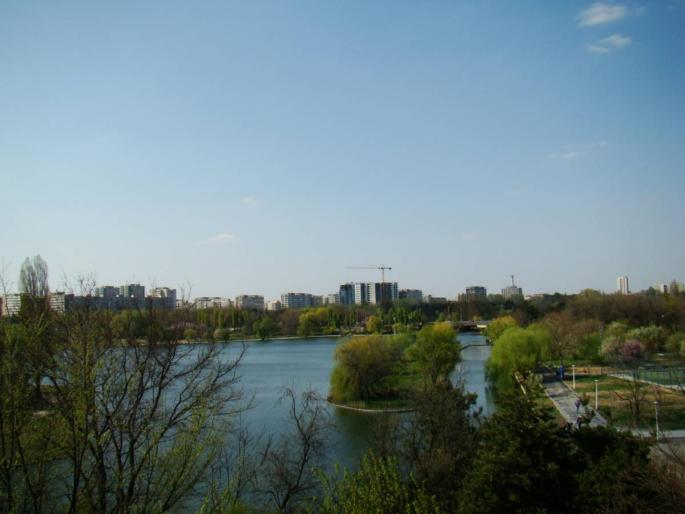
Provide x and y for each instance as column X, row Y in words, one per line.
column 511, row 292
column 622, row 285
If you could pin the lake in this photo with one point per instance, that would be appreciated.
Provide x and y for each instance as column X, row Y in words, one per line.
column 306, row 364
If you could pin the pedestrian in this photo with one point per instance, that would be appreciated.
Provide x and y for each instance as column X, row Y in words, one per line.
column 578, row 404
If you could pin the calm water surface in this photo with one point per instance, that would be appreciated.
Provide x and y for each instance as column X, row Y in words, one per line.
column 304, row 364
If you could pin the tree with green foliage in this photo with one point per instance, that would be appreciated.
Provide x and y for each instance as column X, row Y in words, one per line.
column 437, row 443
column 528, row 463
column 365, row 366
column 674, row 342
column 517, row 350
column 566, row 333
column 652, row 337
column 222, row 334
column 435, row 352
column 308, row 324
column 374, row 325
column 379, row 487
column 498, row 326
column 265, row 328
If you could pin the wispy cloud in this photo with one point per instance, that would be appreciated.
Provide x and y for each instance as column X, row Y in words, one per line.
column 216, row 239
column 251, row 201
column 597, row 49
column 574, row 151
column 600, row 13
column 616, row 40
column 606, row 45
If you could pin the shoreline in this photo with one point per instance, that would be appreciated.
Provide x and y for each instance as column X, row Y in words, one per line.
column 361, row 410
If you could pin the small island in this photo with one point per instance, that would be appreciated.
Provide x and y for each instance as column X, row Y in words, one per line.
column 383, row 373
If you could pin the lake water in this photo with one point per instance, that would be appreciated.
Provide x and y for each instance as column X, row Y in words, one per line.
column 306, row 364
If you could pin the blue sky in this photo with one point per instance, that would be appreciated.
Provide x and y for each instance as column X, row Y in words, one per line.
column 263, row 147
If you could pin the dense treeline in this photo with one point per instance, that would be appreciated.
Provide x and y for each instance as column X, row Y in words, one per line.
column 111, row 412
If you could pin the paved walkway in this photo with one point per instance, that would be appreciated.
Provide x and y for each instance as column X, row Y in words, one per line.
column 564, row 400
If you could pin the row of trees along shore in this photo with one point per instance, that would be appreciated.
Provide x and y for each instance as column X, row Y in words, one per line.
column 103, row 412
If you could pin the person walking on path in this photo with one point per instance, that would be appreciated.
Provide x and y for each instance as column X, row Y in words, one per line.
column 578, row 404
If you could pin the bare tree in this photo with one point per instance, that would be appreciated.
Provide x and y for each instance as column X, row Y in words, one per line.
column 289, row 464
column 140, row 420
column 634, row 395
column 33, row 277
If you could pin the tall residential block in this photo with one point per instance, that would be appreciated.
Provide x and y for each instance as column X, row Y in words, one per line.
column 622, row 285
column 250, row 301
column 475, row 293
column 411, row 295
column 512, row 292
column 164, row 297
column 300, row 300
column 135, row 292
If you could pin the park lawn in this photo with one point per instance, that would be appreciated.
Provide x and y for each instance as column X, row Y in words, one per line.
column 617, row 411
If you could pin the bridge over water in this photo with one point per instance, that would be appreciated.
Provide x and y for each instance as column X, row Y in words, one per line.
column 471, row 326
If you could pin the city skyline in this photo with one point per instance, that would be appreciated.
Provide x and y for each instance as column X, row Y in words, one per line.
column 262, row 148
column 187, row 294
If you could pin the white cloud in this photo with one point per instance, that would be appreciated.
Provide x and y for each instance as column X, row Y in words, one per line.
column 251, row 201
column 606, row 45
column 597, row 49
column 222, row 237
column 616, row 40
column 578, row 150
column 600, row 13
column 216, row 239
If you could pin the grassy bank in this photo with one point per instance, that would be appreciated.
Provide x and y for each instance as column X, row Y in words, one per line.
column 615, row 396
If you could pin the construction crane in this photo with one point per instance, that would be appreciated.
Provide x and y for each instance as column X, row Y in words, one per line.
column 382, row 268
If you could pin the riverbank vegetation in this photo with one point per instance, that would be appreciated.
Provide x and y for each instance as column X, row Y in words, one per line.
column 445, row 458
column 387, row 370
column 110, row 412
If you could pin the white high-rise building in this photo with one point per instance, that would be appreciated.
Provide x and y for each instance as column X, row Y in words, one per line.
column 622, row 285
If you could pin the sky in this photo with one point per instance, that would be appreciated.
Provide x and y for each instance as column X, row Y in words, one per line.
column 262, row 147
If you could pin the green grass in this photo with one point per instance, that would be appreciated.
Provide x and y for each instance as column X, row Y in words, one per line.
column 617, row 411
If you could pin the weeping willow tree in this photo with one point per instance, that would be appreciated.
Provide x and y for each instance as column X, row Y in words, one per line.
column 518, row 350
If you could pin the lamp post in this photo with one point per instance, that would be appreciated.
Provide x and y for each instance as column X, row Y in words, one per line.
column 656, row 417
column 573, row 369
column 596, row 394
